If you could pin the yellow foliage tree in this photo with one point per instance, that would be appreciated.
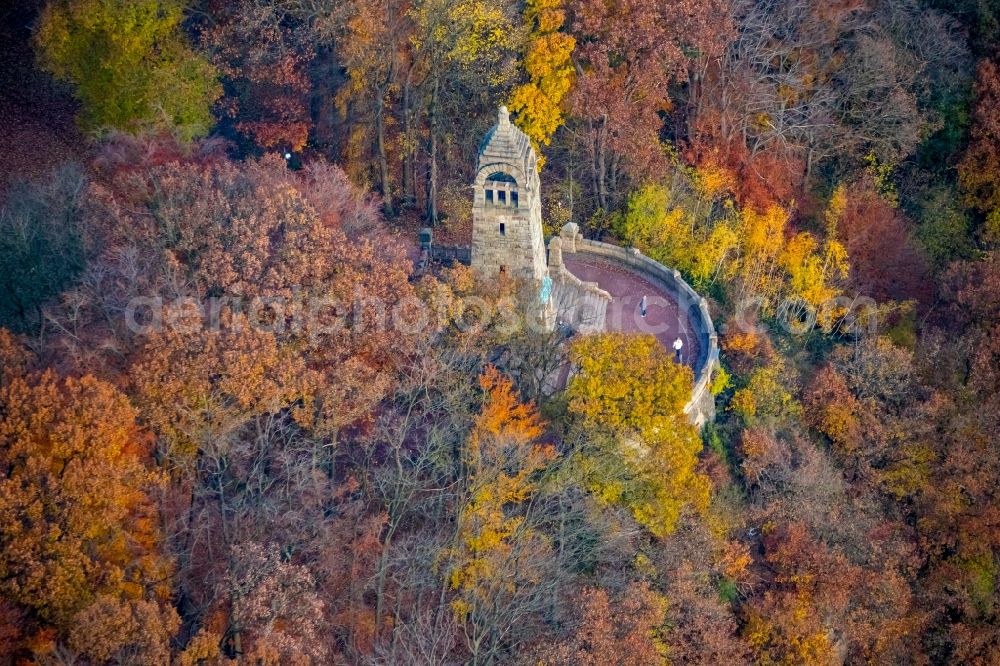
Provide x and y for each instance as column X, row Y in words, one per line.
column 712, row 180
column 711, row 253
column 628, row 383
column 766, row 395
column 671, row 233
column 813, row 275
column 641, row 450
column 500, row 455
column 538, row 103
column 816, row 274
column 458, row 43
column 754, row 247
column 761, row 240
column 773, row 265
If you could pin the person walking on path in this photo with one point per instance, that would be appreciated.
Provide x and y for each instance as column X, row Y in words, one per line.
column 642, row 307
column 678, row 345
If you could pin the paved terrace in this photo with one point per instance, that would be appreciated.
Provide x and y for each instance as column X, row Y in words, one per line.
column 664, row 318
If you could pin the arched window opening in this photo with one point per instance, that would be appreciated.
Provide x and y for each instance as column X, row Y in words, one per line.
column 501, row 177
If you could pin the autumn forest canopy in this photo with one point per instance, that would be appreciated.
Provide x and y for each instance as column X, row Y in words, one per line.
column 213, row 450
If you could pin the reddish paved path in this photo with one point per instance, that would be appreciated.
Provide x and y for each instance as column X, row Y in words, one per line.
column 627, row 288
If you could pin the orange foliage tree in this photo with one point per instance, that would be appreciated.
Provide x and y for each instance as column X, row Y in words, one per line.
column 270, row 296
column 79, row 534
column 625, row 633
column 264, row 62
column 627, row 54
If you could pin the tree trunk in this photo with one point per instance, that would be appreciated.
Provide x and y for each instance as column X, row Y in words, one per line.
column 383, row 162
column 593, row 160
column 409, row 197
column 383, row 568
column 432, row 167
column 602, row 171
column 237, row 642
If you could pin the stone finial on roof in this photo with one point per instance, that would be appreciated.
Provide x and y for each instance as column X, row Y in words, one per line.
column 503, row 144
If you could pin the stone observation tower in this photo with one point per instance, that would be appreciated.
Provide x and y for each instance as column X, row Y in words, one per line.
column 507, row 207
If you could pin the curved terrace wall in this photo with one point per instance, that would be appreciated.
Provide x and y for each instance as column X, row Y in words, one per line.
column 701, row 407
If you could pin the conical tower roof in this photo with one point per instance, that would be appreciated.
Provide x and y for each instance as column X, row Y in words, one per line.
column 504, row 142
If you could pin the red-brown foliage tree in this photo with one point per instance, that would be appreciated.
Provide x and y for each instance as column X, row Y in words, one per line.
column 886, row 261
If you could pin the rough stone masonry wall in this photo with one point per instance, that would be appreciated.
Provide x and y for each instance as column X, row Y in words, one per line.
column 514, row 250
column 582, row 305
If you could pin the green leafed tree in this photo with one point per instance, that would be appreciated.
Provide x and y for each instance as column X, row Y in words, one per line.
column 131, row 64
